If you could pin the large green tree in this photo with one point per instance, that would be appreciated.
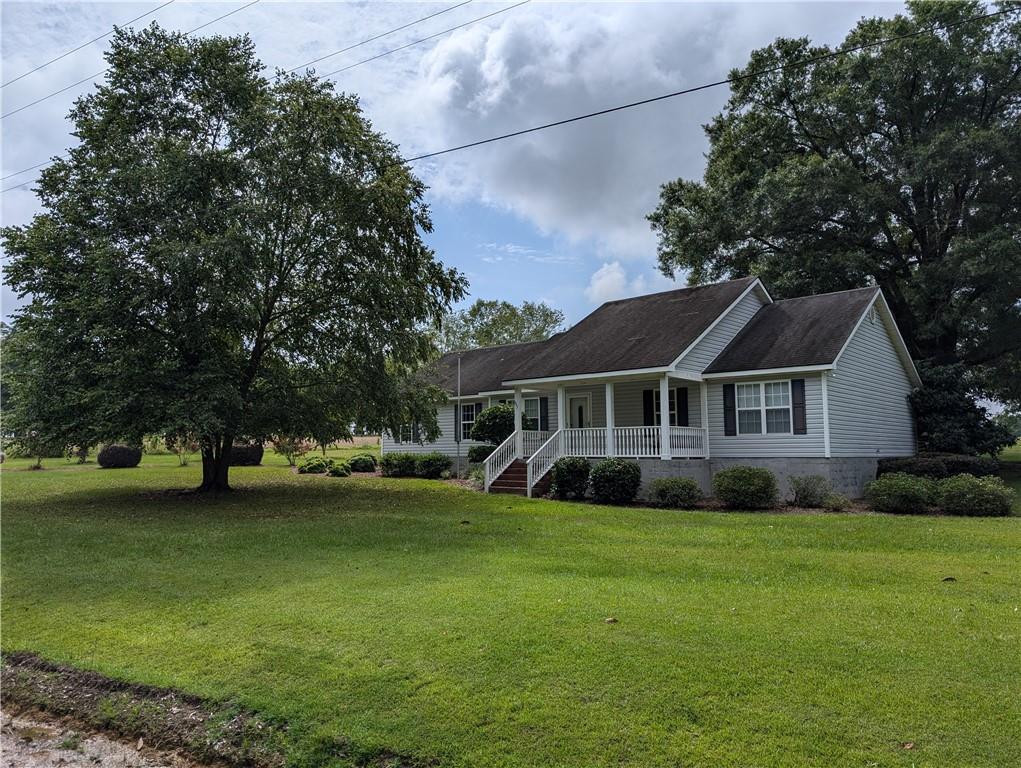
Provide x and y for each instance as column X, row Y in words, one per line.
column 898, row 165
column 223, row 255
column 487, row 323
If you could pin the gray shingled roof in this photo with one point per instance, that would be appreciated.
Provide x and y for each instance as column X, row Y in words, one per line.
column 629, row 334
column 483, row 369
column 810, row 330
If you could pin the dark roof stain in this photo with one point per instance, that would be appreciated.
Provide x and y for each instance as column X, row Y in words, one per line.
column 643, row 332
column 810, row 330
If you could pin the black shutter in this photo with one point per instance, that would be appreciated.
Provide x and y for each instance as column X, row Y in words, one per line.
column 457, row 422
column 544, row 413
column 682, row 406
column 729, row 410
column 649, row 407
column 798, row 406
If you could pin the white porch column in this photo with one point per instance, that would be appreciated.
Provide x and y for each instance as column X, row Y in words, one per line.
column 519, row 409
column 611, row 448
column 703, row 388
column 664, row 417
column 561, row 407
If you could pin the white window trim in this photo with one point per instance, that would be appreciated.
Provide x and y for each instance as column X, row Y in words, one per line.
column 538, row 412
column 672, row 407
column 466, row 433
column 762, row 407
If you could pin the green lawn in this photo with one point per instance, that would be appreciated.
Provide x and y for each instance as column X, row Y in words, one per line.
column 470, row 629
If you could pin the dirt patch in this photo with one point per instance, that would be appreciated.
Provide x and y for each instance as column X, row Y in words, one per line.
column 39, row 741
column 72, row 706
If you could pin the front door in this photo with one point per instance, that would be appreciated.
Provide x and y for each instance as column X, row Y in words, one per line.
column 579, row 409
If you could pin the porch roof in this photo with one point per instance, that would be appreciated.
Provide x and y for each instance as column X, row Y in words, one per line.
column 482, row 369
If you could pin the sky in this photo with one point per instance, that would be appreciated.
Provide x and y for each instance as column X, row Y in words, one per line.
column 555, row 216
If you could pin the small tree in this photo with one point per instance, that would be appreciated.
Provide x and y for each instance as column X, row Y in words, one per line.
column 291, row 447
column 494, row 425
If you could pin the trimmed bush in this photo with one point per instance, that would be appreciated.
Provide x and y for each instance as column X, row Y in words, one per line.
column 921, row 466
column 901, row 493
column 744, row 487
column 118, row 456
column 615, row 481
column 569, row 477
column 479, row 453
column 962, row 464
column 431, row 465
column 674, row 492
column 246, row 455
column 339, row 469
column 363, row 462
column 315, row 465
column 809, row 491
column 836, row 502
column 975, row 496
column 493, row 425
column 397, row 464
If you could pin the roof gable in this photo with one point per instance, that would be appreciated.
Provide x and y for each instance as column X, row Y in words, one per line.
column 632, row 334
column 795, row 333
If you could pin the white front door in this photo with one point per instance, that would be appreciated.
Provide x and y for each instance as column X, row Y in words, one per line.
column 579, row 411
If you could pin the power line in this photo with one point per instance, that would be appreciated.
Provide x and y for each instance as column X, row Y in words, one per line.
column 292, row 69
column 100, row 74
column 694, row 89
column 381, row 35
column 424, row 39
column 85, row 45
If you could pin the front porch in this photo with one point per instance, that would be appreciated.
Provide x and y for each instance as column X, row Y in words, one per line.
column 661, row 418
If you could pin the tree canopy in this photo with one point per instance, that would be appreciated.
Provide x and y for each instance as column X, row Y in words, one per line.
column 488, row 323
column 222, row 255
column 898, row 165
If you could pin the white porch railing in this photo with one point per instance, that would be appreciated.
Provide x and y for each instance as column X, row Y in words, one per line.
column 637, row 442
column 533, row 438
column 540, row 462
column 501, row 458
column 590, row 441
column 687, row 441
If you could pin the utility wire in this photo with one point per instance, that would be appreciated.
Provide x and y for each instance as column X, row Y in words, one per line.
column 694, row 89
column 292, row 69
column 424, row 39
column 377, row 37
column 85, row 45
column 100, row 74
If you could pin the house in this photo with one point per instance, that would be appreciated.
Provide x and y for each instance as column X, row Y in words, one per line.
column 690, row 381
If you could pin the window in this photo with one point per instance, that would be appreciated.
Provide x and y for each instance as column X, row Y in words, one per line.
column 468, row 411
column 764, row 407
column 406, row 434
column 530, row 417
column 671, row 406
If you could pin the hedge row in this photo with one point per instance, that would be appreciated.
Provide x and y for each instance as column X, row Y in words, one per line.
column 940, row 465
column 427, row 465
column 962, row 494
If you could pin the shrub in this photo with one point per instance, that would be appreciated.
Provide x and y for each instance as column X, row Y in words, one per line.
column 246, row 455
column 901, row 493
column 615, row 481
column 836, row 502
column 809, row 491
column 291, row 448
column 431, row 465
column 674, row 492
column 962, row 464
column 397, row 464
column 339, row 469
column 569, row 477
column 744, row 487
column 363, row 462
column 477, row 477
column 921, row 466
column 116, row 456
column 315, row 465
column 479, row 453
column 975, row 496
column 493, row 425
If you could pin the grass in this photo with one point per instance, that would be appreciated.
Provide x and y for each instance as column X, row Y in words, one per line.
column 471, row 630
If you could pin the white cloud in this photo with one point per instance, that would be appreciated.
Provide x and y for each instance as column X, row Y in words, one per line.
column 611, row 282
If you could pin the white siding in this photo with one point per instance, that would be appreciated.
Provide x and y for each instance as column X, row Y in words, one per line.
column 867, row 392
column 628, row 402
column 767, row 446
column 709, row 348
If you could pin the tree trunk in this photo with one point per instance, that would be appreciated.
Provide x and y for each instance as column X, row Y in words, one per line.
column 216, row 464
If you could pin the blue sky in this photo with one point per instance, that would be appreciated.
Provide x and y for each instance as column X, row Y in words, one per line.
column 556, row 216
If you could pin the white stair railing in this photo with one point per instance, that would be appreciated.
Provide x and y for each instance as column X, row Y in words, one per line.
column 501, row 458
column 533, row 438
column 540, row 462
